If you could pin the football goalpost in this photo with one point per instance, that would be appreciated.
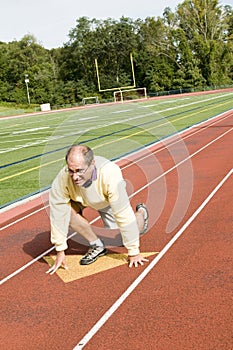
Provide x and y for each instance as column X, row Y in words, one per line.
column 130, row 94
column 116, row 88
column 124, row 93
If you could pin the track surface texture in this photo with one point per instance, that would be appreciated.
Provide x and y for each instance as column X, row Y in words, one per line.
column 181, row 299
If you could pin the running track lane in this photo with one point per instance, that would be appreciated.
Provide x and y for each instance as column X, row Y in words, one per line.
column 180, row 304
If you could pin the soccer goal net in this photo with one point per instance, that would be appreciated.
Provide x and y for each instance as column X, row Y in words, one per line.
column 90, row 100
column 130, row 95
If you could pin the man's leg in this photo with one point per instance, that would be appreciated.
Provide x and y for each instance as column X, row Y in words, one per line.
column 108, row 218
column 141, row 215
column 96, row 247
column 79, row 224
column 142, row 218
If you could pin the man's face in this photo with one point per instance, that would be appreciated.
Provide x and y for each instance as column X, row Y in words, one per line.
column 78, row 169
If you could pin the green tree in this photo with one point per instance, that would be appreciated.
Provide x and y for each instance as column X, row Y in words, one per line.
column 110, row 42
column 190, row 47
column 204, row 26
column 26, row 57
column 157, row 60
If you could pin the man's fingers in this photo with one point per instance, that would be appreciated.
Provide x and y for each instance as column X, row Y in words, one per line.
column 52, row 270
column 135, row 261
column 55, row 267
column 49, row 270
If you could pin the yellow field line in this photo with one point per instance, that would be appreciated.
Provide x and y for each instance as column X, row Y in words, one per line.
column 28, row 170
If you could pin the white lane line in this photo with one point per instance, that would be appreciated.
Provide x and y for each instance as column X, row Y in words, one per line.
column 179, row 138
column 181, row 162
column 145, row 272
column 16, row 272
column 23, row 217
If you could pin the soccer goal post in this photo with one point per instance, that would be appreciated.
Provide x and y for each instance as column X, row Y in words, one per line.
column 90, row 100
column 130, row 95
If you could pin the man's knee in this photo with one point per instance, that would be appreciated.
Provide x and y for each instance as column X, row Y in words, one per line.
column 74, row 218
column 77, row 207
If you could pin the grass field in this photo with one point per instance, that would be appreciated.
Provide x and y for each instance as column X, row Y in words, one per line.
column 10, row 109
column 32, row 147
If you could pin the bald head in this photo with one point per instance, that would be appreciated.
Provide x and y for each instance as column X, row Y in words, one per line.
column 81, row 152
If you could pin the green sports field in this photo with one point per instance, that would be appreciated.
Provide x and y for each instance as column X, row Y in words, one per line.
column 32, row 147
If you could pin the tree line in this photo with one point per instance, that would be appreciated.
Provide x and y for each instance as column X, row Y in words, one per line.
column 191, row 47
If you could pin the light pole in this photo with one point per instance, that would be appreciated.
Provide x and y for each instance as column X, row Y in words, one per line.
column 26, row 82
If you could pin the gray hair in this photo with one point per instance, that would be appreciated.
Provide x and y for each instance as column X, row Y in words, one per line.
column 86, row 151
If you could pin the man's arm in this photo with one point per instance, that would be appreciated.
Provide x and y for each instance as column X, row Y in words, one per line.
column 59, row 220
column 60, row 261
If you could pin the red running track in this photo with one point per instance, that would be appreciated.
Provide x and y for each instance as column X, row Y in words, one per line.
column 181, row 299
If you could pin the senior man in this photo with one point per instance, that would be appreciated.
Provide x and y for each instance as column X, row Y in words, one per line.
column 95, row 182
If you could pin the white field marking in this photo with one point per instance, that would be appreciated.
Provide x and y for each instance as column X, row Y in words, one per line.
column 142, row 188
column 20, row 139
column 71, row 133
column 87, row 118
column 65, row 135
column 4, row 142
column 38, row 142
column 145, row 272
column 29, row 130
column 24, row 146
column 188, row 104
column 109, row 124
column 123, row 111
column 176, row 100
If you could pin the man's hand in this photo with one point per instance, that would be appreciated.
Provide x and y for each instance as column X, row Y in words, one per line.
column 60, row 261
column 137, row 259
